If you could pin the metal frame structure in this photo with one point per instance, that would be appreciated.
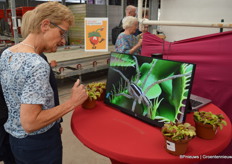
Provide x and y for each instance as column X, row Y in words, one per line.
column 179, row 23
column 81, row 66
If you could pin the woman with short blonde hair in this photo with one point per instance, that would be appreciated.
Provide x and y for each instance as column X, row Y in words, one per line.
column 33, row 118
column 126, row 41
column 128, row 22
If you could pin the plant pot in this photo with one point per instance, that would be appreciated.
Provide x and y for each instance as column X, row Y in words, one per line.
column 103, row 94
column 205, row 131
column 176, row 147
column 89, row 104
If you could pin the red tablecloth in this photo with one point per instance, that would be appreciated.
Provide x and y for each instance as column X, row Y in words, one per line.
column 123, row 138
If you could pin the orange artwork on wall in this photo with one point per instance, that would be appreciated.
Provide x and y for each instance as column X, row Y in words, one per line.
column 96, row 34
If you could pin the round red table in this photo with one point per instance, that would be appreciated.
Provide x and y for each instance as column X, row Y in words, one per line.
column 125, row 139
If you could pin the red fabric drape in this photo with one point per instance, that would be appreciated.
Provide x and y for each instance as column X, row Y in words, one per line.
column 212, row 55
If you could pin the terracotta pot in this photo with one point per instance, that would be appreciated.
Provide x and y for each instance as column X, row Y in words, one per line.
column 103, row 94
column 205, row 131
column 89, row 104
column 176, row 147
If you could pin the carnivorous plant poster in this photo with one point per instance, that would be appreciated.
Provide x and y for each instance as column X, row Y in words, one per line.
column 153, row 88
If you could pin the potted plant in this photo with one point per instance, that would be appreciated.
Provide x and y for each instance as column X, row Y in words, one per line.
column 207, row 124
column 177, row 136
column 101, row 87
column 93, row 95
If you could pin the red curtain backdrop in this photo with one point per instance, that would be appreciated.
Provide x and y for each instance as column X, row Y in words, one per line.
column 212, row 55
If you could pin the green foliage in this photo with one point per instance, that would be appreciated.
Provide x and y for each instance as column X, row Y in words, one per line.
column 92, row 91
column 121, row 60
column 155, row 107
column 180, row 89
column 99, row 86
column 216, row 120
column 168, row 90
column 178, row 131
column 94, row 33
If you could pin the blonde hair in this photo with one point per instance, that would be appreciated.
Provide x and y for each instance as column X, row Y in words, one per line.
column 26, row 23
column 53, row 11
column 128, row 22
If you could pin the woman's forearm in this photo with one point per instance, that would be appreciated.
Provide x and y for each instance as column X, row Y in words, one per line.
column 34, row 118
column 133, row 49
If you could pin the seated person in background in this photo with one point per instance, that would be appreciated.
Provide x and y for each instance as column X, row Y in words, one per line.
column 126, row 41
column 144, row 28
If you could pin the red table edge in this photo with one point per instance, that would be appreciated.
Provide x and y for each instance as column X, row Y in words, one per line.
column 119, row 157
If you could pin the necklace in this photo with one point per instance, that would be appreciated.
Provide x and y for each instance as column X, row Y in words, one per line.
column 25, row 44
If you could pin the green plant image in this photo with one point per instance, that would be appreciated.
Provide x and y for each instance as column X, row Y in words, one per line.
column 156, row 89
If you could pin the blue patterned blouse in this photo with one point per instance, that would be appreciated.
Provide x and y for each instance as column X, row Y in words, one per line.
column 125, row 42
column 25, row 80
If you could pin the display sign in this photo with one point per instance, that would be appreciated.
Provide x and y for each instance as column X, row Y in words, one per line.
column 96, row 34
column 153, row 90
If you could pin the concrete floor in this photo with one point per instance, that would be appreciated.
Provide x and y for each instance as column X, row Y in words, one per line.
column 74, row 152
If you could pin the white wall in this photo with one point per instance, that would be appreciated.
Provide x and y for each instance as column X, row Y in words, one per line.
column 115, row 14
column 196, row 11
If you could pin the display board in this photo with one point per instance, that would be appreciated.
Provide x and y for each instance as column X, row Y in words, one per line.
column 153, row 90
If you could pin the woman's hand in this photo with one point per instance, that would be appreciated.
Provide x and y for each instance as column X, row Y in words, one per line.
column 137, row 46
column 79, row 94
column 140, row 42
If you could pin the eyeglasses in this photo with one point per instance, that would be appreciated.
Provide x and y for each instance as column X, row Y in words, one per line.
column 65, row 33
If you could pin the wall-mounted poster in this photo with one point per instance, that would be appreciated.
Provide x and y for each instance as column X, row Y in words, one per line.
column 96, row 34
